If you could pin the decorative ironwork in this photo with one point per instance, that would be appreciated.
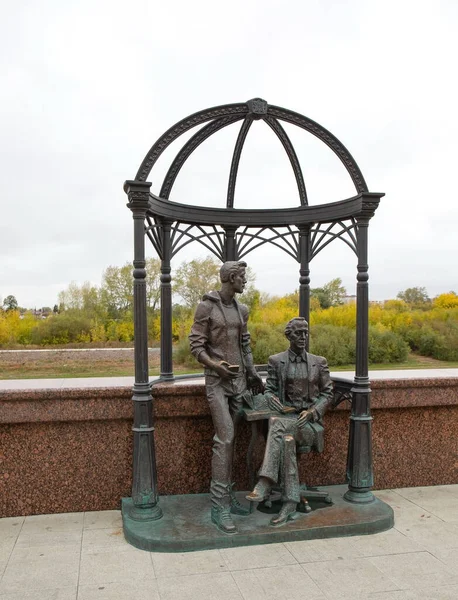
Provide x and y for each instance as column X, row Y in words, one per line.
column 287, row 145
column 235, row 161
column 258, row 108
column 342, row 392
column 211, row 237
column 302, row 232
column 325, row 136
column 324, row 234
column 285, row 238
column 189, row 148
column 370, row 205
column 153, row 232
column 182, row 127
column 298, row 215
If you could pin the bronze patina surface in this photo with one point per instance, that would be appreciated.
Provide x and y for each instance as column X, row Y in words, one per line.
column 176, row 532
column 220, row 341
column 299, row 392
column 231, row 233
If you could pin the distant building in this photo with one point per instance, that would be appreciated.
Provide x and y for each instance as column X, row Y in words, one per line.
column 349, row 300
column 38, row 313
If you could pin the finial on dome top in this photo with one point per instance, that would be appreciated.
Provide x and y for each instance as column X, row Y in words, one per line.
column 257, row 107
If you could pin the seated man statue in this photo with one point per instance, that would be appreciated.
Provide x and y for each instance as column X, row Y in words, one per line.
column 299, row 388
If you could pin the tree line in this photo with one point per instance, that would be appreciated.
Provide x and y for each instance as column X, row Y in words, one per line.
column 86, row 314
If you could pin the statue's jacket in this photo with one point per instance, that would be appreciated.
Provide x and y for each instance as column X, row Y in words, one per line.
column 209, row 329
column 320, row 388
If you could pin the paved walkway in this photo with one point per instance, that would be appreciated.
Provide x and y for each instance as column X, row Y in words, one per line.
column 83, row 556
column 94, row 382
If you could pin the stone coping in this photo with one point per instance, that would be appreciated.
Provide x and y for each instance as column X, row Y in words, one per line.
column 110, row 398
column 111, row 382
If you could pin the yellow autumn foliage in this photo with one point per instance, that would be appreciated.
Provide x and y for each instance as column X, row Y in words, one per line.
column 449, row 300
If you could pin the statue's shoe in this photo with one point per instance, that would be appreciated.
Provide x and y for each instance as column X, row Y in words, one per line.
column 221, row 517
column 287, row 513
column 238, row 509
column 261, row 491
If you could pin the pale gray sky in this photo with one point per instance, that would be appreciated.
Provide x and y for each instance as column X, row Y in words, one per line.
column 88, row 86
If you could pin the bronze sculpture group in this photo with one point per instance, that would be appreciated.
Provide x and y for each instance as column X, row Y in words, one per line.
column 298, row 392
column 299, row 230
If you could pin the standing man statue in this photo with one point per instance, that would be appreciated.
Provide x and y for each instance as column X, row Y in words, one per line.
column 220, row 341
column 299, row 388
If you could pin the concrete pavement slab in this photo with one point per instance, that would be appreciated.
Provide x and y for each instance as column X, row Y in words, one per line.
column 104, row 519
column 350, row 578
column 246, row 557
column 188, row 563
column 53, row 523
column 289, row 581
column 115, row 566
column 131, row 590
column 205, row 586
column 415, row 570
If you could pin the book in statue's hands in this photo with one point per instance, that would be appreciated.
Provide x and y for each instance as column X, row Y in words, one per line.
column 231, row 368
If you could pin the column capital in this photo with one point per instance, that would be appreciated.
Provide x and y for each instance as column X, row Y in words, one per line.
column 370, row 204
column 305, row 227
column 138, row 194
column 165, row 223
column 132, row 185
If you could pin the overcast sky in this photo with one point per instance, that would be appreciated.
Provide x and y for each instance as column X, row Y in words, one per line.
column 88, row 86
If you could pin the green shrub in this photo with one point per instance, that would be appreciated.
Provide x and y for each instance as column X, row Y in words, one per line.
column 266, row 340
column 182, row 355
column 98, row 333
column 385, row 346
column 61, row 329
column 25, row 327
column 422, row 339
column 336, row 344
column 120, row 331
column 448, row 348
column 438, row 339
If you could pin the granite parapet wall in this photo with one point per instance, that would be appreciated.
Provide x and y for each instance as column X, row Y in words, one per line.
column 68, row 449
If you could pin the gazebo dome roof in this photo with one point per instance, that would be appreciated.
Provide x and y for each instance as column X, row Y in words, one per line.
column 248, row 228
column 216, row 118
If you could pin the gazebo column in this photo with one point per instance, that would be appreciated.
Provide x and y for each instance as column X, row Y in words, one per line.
column 144, row 479
column 359, row 458
column 230, row 246
column 166, row 303
column 304, row 271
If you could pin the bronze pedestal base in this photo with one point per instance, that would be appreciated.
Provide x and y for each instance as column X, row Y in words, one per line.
column 186, row 524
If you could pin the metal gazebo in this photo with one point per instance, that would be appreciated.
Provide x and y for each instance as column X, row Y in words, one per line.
column 230, row 234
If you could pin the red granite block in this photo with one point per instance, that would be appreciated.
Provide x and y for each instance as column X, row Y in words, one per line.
column 65, row 450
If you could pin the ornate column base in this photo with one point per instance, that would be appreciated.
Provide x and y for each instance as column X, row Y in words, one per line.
column 359, row 496
column 167, row 377
column 150, row 513
column 359, row 460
